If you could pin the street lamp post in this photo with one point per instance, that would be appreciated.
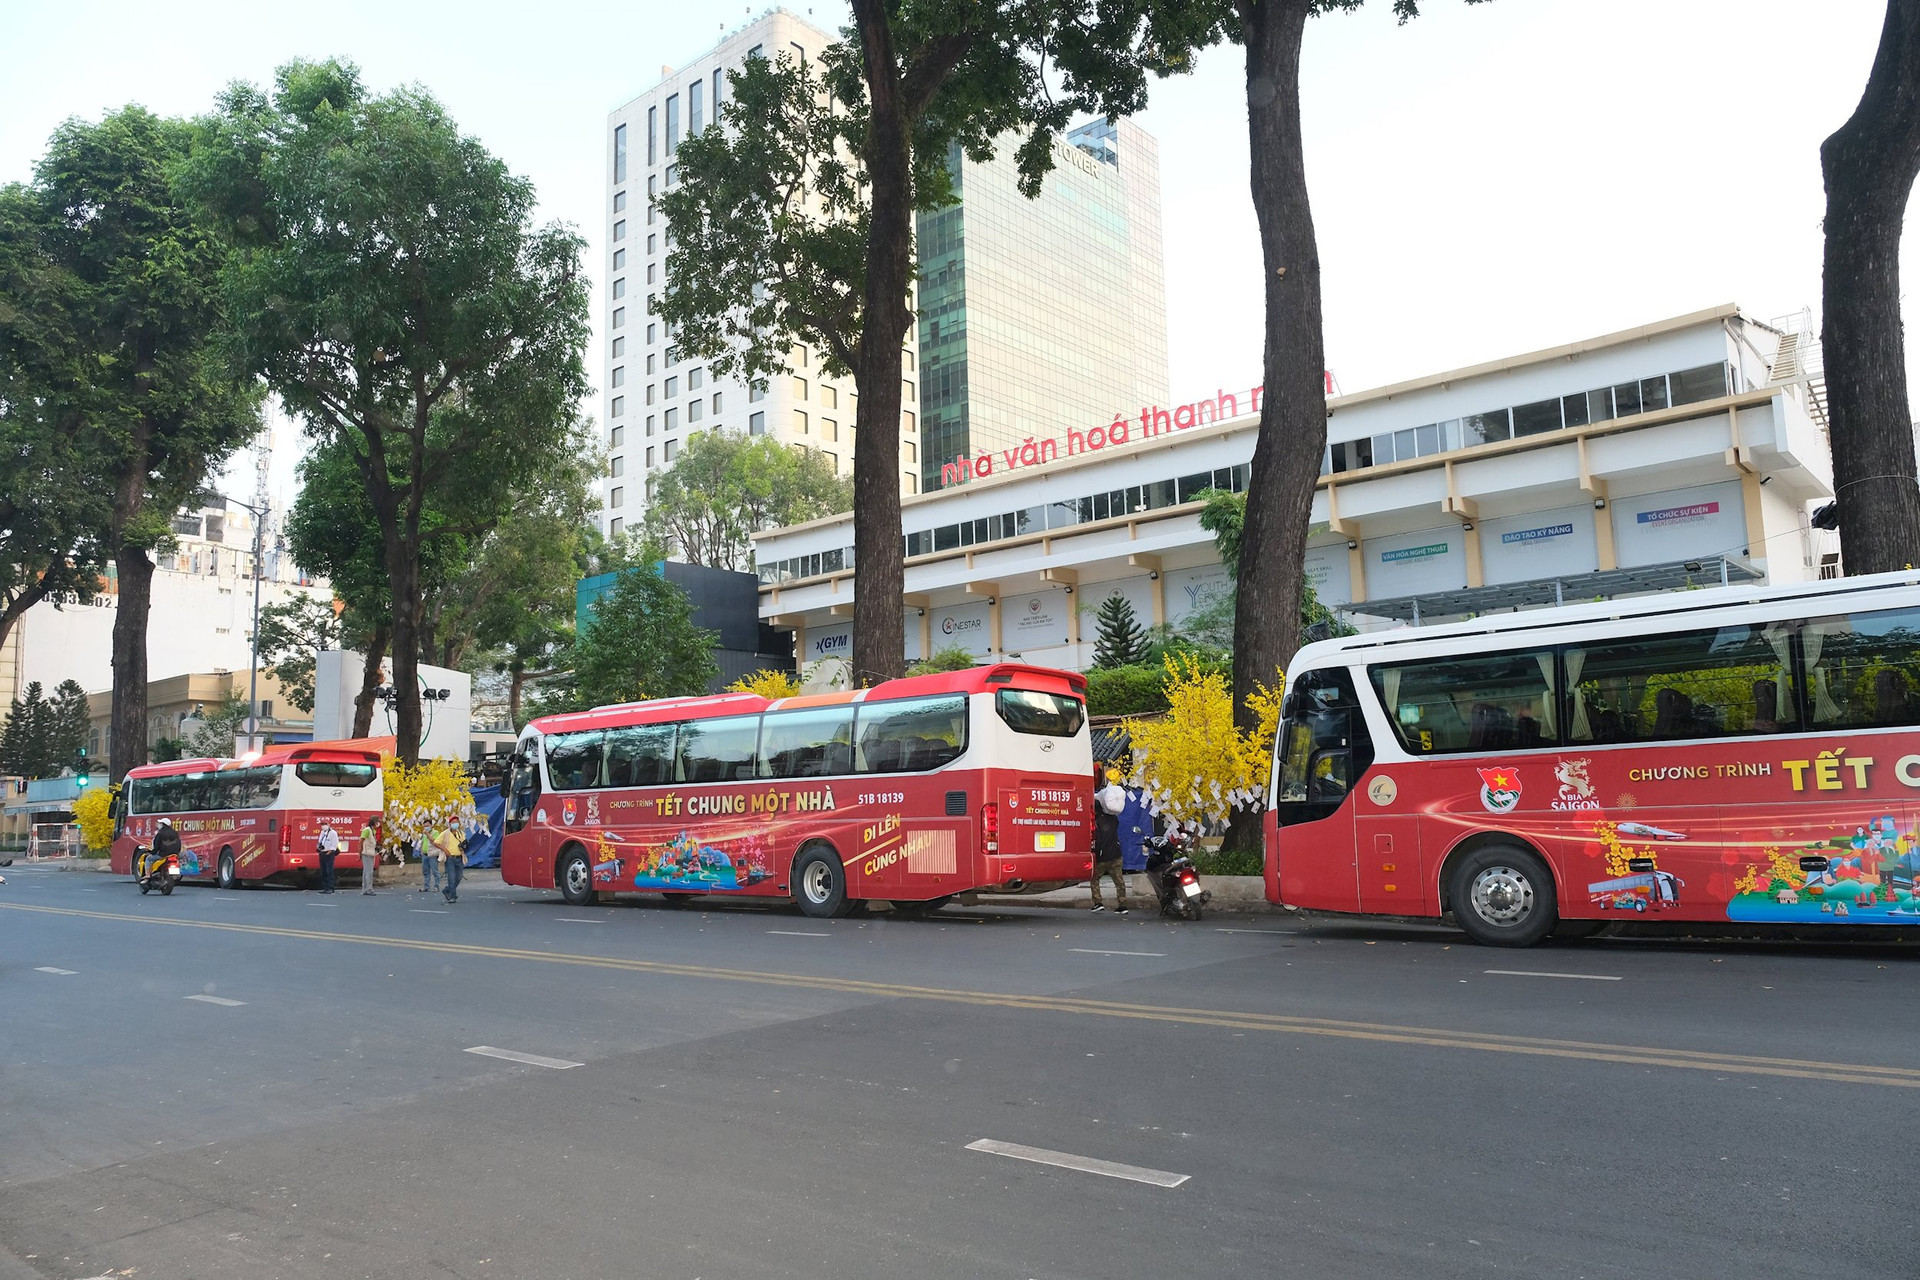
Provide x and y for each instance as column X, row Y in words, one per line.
column 253, row 663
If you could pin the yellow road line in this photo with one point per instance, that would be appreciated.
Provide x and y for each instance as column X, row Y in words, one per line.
column 1431, row 1037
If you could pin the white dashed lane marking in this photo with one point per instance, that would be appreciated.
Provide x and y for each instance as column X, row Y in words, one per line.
column 1529, row 973
column 530, row 1059
column 1081, row 1164
column 1089, row 951
column 64, row 973
column 794, row 933
column 219, row 1000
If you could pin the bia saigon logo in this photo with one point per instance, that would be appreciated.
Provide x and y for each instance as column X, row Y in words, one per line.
column 1499, row 789
column 1576, row 789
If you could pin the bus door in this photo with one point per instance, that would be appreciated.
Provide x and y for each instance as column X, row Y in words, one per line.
column 1325, row 752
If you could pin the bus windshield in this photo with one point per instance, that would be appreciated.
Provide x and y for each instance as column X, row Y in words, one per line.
column 1052, row 714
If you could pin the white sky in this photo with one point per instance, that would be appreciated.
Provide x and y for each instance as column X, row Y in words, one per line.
column 1486, row 180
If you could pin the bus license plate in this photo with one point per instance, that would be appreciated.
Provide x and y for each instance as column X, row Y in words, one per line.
column 1049, row 841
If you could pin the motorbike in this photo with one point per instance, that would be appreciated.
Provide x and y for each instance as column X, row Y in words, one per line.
column 151, row 871
column 1171, row 872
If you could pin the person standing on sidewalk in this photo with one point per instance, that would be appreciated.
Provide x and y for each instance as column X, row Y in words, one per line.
column 329, row 850
column 369, row 853
column 1107, row 804
column 453, row 860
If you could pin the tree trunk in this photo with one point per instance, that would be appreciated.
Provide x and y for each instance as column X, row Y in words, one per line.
column 1293, row 411
column 30, row 595
column 1870, row 163
column 127, row 735
column 403, row 571
column 369, row 683
column 879, row 627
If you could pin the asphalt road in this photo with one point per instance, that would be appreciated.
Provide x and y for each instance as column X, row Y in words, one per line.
column 758, row 1094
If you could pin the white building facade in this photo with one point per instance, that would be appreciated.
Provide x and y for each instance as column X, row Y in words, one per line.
column 1683, row 452
column 655, row 400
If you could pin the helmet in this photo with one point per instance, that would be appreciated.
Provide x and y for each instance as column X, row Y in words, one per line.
column 166, row 822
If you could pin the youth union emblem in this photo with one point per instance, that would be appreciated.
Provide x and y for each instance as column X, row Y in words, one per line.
column 1499, row 789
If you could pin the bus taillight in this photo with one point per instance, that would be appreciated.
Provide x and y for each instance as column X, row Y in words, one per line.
column 286, row 837
column 990, row 828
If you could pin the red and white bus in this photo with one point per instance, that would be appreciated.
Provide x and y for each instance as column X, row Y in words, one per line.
column 1735, row 754
column 912, row 791
column 251, row 820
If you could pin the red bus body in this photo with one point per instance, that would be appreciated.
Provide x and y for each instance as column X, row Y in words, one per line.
column 1717, row 813
column 1011, row 813
column 273, row 836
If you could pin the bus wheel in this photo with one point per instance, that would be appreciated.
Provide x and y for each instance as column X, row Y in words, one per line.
column 1502, row 896
column 229, row 879
column 576, row 878
column 820, row 884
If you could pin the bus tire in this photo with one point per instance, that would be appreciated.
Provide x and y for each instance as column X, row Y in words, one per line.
column 575, row 877
column 820, row 883
column 1502, row 896
column 229, row 878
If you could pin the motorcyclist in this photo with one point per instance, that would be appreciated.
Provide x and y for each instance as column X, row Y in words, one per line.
column 166, row 844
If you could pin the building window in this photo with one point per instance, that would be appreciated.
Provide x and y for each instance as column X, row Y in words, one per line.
column 616, row 466
column 911, row 450
column 649, row 273
column 649, row 463
column 673, row 421
column 620, row 229
column 649, row 426
column 620, row 375
column 619, row 153
column 719, row 78
column 907, row 421
column 833, row 459
column 800, row 421
column 618, row 408
column 673, row 354
column 649, row 362
column 619, row 201
column 906, row 360
column 650, row 239
column 829, row 397
column 755, row 52
column 616, row 496
column 650, row 387
column 617, row 437
column 799, row 388
column 619, row 316
column 620, row 287
column 619, row 259
column 619, row 347
column 614, row 527
column 673, row 448
column 673, row 174
column 653, row 119
column 909, row 482
column 695, row 377
column 756, row 424
column 756, row 391
column 829, row 429
column 696, row 107
column 716, row 403
column 800, row 357
column 649, row 335
column 673, row 388
column 799, row 55
column 673, row 123
column 906, row 391
column 696, row 410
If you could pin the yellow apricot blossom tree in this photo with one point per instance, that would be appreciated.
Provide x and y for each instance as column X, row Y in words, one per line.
column 768, row 684
column 422, row 799
column 1193, row 765
column 94, row 812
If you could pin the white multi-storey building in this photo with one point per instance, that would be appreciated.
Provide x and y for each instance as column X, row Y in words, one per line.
column 654, row 400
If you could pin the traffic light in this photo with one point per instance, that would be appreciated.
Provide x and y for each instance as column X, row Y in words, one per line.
column 81, row 774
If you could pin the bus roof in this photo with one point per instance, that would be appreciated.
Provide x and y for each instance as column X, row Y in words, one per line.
column 1542, row 624
column 331, row 752
column 998, row 675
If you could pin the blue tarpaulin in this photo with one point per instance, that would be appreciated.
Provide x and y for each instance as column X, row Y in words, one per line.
column 484, row 850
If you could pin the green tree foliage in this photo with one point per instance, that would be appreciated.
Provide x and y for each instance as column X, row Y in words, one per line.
column 793, row 222
column 44, row 735
column 952, row 658
column 640, row 643
column 1120, row 640
column 1213, row 623
column 218, row 728
column 119, row 329
column 290, row 638
column 390, row 287
column 724, row 486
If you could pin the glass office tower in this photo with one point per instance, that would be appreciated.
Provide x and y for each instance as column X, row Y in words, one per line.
column 1044, row 315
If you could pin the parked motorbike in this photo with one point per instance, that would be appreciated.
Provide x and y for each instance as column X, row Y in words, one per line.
column 151, row 871
column 1171, row 872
